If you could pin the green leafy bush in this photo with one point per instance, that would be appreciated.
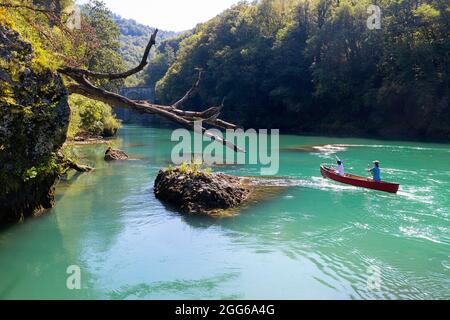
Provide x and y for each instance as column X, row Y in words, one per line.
column 91, row 117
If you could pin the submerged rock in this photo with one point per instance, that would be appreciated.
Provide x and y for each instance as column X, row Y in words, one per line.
column 34, row 116
column 112, row 155
column 200, row 192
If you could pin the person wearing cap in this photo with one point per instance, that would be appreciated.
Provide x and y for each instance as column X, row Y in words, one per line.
column 375, row 171
column 340, row 168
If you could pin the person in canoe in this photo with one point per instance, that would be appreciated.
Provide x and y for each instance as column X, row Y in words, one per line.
column 340, row 168
column 375, row 171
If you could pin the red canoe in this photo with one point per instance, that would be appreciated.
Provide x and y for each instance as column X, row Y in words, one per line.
column 358, row 181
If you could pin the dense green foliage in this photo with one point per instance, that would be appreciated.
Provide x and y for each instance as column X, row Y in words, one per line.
column 95, row 46
column 163, row 58
column 315, row 67
column 133, row 40
column 106, row 57
column 34, row 116
column 91, row 117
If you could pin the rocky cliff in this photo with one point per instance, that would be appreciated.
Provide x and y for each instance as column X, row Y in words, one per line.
column 34, row 116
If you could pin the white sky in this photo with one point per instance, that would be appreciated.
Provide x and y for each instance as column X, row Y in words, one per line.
column 171, row 15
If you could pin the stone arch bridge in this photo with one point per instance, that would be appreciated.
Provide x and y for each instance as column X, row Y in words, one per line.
column 137, row 93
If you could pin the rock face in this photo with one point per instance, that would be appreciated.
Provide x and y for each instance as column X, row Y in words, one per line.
column 112, row 155
column 199, row 192
column 34, row 116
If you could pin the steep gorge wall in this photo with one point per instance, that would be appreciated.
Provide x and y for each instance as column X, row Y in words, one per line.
column 34, row 116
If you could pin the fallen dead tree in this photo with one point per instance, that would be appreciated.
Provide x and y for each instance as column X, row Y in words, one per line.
column 81, row 83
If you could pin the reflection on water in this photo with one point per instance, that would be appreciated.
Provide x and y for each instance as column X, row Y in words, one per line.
column 312, row 238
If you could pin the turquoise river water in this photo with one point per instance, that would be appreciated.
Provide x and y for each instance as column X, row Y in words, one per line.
column 311, row 239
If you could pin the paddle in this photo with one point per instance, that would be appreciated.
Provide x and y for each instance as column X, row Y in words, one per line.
column 338, row 159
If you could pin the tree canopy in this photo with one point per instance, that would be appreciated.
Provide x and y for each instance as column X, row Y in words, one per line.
column 133, row 39
column 313, row 66
column 94, row 44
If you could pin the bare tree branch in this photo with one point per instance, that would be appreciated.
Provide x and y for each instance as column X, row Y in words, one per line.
column 185, row 118
column 209, row 116
column 191, row 91
column 113, row 76
column 86, row 88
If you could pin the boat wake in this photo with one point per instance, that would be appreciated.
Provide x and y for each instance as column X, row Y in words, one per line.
column 421, row 195
column 329, row 150
column 383, row 146
column 314, row 183
column 417, row 194
column 425, row 234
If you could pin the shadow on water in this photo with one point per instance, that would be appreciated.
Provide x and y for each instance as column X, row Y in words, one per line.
column 39, row 272
column 84, row 223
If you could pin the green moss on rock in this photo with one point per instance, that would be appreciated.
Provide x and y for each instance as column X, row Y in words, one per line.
column 34, row 117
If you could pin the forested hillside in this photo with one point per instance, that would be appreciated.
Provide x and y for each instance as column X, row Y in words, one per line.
column 315, row 67
column 133, row 40
column 163, row 57
column 134, row 37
